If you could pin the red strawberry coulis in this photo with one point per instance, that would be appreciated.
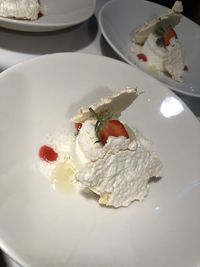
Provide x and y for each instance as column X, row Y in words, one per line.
column 142, row 57
column 47, row 153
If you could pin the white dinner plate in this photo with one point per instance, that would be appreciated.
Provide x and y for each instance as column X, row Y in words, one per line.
column 118, row 21
column 41, row 227
column 56, row 14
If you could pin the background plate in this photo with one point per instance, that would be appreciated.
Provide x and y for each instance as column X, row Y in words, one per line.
column 132, row 14
column 40, row 227
column 57, row 15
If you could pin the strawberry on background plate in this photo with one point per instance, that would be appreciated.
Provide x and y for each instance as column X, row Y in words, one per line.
column 168, row 34
column 165, row 35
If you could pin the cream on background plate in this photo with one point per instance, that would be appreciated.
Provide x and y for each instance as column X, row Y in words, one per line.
column 57, row 14
column 41, row 227
column 133, row 14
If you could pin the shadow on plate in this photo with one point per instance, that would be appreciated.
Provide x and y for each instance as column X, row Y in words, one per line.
column 66, row 40
column 106, row 50
column 2, row 261
column 192, row 102
column 155, row 179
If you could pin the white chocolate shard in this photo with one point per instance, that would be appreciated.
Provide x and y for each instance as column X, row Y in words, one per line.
column 115, row 103
column 178, row 7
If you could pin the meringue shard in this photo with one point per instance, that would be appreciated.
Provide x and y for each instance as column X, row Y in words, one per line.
column 20, row 9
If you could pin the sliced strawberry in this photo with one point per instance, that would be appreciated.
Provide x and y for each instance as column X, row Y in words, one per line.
column 168, row 34
column 78, row 126
column 112, row 128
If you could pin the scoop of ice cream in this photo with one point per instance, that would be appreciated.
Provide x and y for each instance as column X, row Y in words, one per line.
column 167, row 59
column 87, row 147
column 154, row 53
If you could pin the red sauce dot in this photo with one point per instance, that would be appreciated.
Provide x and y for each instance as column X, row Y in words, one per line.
column 78, row 126
column 185, row 68
column 142, row 57
column 47, row 153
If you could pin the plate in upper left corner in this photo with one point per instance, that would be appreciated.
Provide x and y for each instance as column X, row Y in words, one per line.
column 56, row 15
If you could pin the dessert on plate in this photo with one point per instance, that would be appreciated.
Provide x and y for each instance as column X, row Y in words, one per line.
column 156, row 45
column 20, row 9
column 107, row 156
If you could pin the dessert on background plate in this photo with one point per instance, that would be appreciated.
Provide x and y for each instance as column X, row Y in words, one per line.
column 20, row 9
column 104, row 155
column 156, row 46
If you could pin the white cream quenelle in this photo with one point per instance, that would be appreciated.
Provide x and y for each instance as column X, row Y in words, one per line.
column 118, row 171
column 20, row 9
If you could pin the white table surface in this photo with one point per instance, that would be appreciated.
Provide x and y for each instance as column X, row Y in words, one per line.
column 16, row 47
